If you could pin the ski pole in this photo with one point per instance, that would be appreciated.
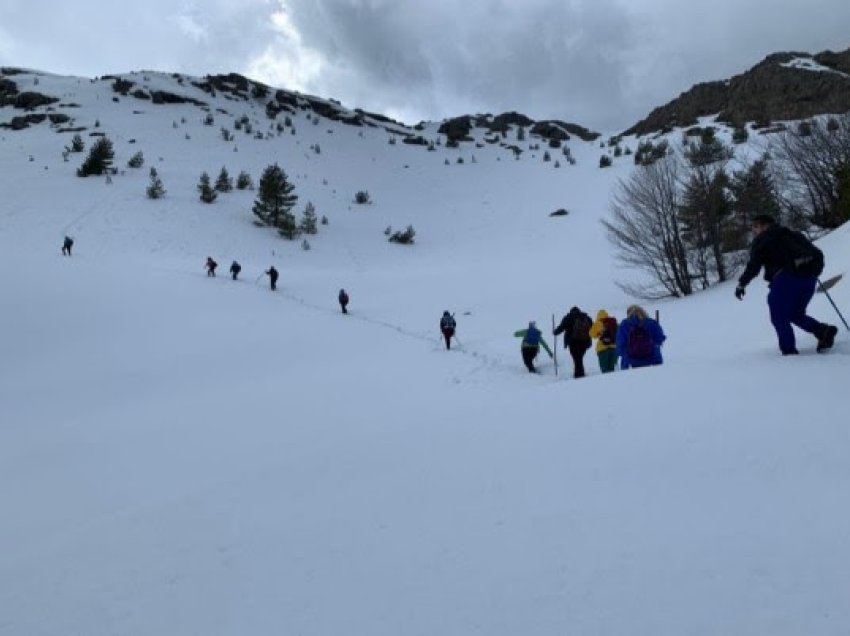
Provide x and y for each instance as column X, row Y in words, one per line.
column 834, row 306
column 458, row 340
column 555, row 355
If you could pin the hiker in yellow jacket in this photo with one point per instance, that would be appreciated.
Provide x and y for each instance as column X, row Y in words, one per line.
column 604, row 331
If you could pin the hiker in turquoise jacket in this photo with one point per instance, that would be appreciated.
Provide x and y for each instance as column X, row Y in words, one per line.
column 532, row 340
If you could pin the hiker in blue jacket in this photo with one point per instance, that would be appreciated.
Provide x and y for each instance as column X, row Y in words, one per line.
column 639, row 340
column 532, row 340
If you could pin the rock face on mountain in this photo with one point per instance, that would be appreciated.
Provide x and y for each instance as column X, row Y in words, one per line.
column 783, row 86
column 458, row 129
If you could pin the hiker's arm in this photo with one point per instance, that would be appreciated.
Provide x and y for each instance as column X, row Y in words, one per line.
column 545, row 346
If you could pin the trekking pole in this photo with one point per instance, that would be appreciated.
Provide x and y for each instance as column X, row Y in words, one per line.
column 458, row 340
column 555, row 347
column 832, row 302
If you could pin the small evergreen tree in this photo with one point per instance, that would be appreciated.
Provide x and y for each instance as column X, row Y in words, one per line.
column 244, row 181
column 99, row 160
column 275, row 200
column 740, row 135
column 309, row 220
column 324, row 220
column 604, row 161
column 709, row 150
column 208, row 194
column 361, row 197
column 137, row 160
column 753, row 192
column 77, row 144
column 404, row 238
column 223, row 183
column 155, row 188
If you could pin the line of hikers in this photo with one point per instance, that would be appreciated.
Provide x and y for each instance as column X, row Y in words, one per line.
column 636, row 341
column 792, row 265
column 272, row 273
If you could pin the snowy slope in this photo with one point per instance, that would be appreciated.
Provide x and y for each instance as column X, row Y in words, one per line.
column 182, row 455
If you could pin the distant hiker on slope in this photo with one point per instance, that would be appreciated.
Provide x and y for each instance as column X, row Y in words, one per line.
column 604, row 329
column 447, row 327
column 576, row 329
column 532, row 340
column 272, row 274
column 67, row 244
column 639, row 340
column 792, row 265
column 235, row 268
column 210, row 265
column 343, row 300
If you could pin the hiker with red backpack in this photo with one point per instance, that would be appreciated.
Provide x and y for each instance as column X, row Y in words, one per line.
column 576, row 327
column 604, row 329
column 639, row 340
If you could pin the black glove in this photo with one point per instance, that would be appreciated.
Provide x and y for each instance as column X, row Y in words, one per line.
column 739, row 292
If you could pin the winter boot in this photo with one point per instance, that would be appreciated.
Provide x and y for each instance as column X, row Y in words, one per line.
column 827, row 337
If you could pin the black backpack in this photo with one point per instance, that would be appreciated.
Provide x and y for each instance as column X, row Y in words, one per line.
column 803, row 258
column 581, row 328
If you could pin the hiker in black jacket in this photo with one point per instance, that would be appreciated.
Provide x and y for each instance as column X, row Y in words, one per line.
column 792, row 265
column 272, row 274
column 67, row 244
column 235, row 268
column 576, row 329
column 447, row 327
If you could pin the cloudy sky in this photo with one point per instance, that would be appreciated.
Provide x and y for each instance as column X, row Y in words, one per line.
column 601, row 63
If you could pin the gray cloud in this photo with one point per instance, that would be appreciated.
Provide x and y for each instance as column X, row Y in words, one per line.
column 602, row 63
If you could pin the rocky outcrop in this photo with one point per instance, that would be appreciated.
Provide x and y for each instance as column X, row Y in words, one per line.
column 775, row 89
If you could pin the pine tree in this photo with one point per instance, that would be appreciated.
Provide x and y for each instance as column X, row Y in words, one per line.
column 709, row 150
column 309, row 220
column 99, row 160
column 275, row 201
column 155, row 188
column 706, row 217
column 223, row 183
column 77, row 144
column 208, row 194
column 244, row 181
column 754, row 192
column 137, row 160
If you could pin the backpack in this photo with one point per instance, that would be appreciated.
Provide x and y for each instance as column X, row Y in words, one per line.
column 609, row 331
column 532, row 337
column 803, row 257
column 343, row 298
column 639, row 344
column 581, row 328
column 447, row 322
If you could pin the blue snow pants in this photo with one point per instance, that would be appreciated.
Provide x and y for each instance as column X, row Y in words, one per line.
column 788, row 298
